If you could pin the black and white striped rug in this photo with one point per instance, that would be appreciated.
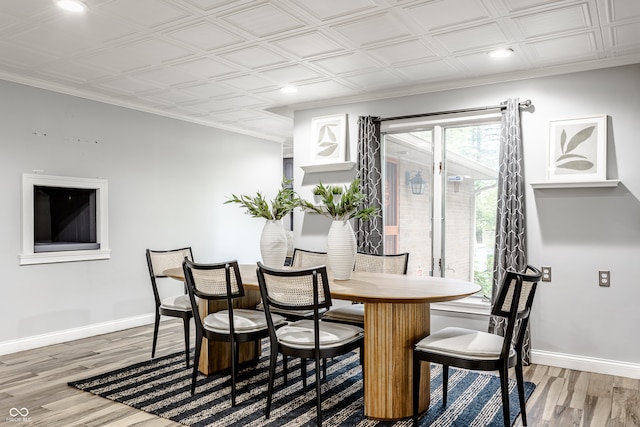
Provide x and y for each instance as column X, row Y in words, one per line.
column 162, row 387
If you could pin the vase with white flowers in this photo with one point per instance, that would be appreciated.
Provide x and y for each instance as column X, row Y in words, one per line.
column 341, row 204
column 273, row 240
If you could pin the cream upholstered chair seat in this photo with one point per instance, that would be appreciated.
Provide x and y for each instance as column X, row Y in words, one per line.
column 244, row 320
column 300, row 334
column 352, row 313
column 177, row 302
column 465, row 342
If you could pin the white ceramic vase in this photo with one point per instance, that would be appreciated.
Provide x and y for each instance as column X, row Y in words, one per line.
column 341, row 249
column 273, row 244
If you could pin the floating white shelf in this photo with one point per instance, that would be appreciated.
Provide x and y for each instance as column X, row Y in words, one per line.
column 328, row 167
column 580, row 184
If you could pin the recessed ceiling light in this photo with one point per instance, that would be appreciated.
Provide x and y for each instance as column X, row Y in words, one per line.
column 72, row 5
column 501, row 53
column 289, row 89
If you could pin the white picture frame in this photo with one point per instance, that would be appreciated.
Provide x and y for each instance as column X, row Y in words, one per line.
column 328, row 139
column 578, row 149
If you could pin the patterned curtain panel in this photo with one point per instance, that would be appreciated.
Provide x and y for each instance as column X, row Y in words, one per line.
column 369, row 234
column 510, row 251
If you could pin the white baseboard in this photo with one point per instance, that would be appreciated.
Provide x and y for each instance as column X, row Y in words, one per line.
column 589, row 364
column 58, row 337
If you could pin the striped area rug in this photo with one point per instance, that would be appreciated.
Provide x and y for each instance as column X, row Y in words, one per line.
column 162, row 387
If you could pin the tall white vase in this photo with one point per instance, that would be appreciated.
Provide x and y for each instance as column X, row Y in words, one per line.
column 273, row 244
column 341, row 249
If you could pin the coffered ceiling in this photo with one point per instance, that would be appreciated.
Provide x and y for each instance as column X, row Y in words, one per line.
column 222, row 63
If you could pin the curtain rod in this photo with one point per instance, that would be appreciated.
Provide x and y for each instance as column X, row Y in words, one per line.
column 523, row 104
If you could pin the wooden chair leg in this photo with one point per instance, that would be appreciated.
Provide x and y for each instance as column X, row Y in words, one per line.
column 445, row 384
column 186, row 320
column 523, row 402
column 234, row 356
column 504, row 387
column 156, row 326
column 303, row 372
column 272, row 375
column 416, row 389
column 194, row 374
column 318, row 393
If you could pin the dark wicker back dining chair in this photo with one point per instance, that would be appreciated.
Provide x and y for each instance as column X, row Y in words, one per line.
column 222, row 282
column 177, row 305
column 304, row 290
column 476, row 350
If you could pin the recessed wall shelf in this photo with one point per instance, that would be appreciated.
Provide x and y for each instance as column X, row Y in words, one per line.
column 580, row 184
column 328, row 167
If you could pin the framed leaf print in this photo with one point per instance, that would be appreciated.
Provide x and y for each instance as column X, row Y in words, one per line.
column 328, row 137
column 578, row 149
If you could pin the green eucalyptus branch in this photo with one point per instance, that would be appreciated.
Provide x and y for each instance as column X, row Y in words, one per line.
column 258, row 207
column 344, row 208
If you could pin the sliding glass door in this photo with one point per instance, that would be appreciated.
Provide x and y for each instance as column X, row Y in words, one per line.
column 440, row 180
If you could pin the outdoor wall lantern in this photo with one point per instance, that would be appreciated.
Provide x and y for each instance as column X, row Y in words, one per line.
column 416, row 181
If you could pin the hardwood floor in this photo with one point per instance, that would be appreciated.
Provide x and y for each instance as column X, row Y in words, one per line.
column 37, row 380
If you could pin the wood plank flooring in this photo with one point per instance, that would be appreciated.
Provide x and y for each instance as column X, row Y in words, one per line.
column 37, row 380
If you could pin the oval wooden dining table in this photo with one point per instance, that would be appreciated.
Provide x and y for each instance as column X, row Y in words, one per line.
column 396, row 315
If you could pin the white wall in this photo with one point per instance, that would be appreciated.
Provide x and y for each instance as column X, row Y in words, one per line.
column 167, row 183
column 575, row 231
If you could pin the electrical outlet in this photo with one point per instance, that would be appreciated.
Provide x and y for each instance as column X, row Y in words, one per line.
column 546, row 274
column 604, row 278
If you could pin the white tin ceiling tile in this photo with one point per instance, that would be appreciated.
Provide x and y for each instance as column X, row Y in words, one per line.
column 291, row 74
column 323, row 90
column 73, row 72
column 517, row 5
column 481, row 63
column 482, row 36
column 264, row 20
column 27, row 8
column 23, row 57
column 206, row 68
column 437, row 15
column 249, row 83
column 620, row 10
column 348, row 63
column 135, row 55
column 9, row 23
column 207, row 4
column 626, row 35
column 308, row 45
column 126, row 86
column 147, row 13
column 397, row 53
column 372, row 29
column 244, row 101
column 254, row 57
column 207, row 90
column 206, row 36
column 53, row 38
column 428, row 71
column 170, row 97
column 559, row 49
column 379, row 79
column 554, row 21
column 165, row 76
column 330, row 9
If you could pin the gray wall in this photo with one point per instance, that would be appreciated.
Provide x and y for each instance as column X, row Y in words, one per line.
column 167, row 183
column 575, row 231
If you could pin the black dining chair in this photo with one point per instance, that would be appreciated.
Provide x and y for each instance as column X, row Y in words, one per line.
column 372, row 263
column 306, row 289
column 173, row 306
column 222, row 282
column 476, row 350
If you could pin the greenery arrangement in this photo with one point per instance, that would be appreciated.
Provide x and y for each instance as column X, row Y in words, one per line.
column 340, row 203
column 258, row 207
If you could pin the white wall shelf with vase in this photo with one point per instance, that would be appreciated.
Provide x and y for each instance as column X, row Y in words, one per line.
column 328, row 167
column 576, row 184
